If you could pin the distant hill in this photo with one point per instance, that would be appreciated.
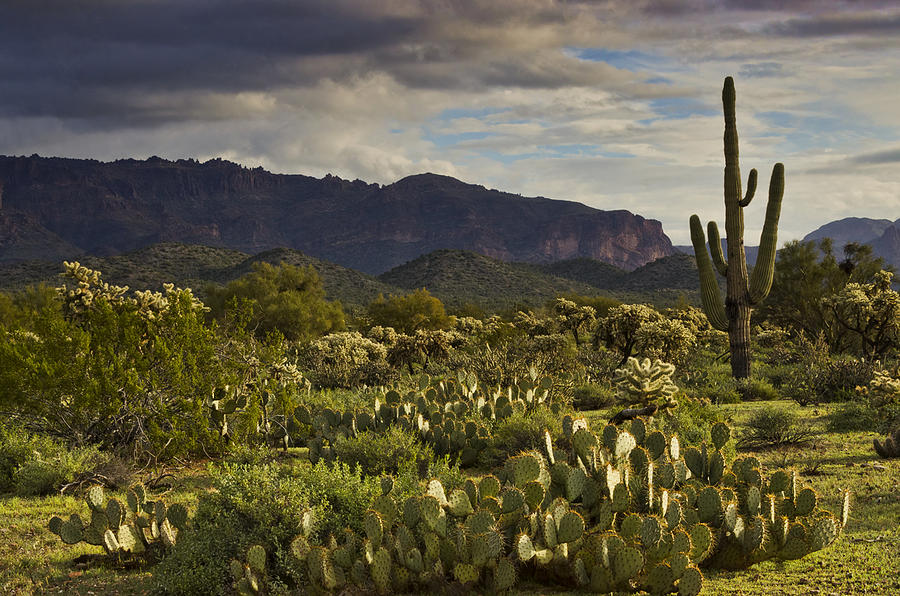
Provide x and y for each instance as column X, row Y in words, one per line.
column 750, row 252
column 589, row 271
column 194, row 266
column 850, row 229
column 457, row 277
column 460, row 277
column 883, row 235
column 54, row 208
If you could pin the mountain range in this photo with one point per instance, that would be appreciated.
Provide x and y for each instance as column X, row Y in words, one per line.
column 883, row 235
column 56, row 208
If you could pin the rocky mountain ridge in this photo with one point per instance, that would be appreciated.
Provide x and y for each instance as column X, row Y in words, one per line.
column 54, row 208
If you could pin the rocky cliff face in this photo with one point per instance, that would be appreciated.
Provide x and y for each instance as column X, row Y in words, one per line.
column 71, row 206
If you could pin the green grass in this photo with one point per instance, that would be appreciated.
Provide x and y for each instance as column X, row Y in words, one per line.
column 33, row 560
column 865, row 560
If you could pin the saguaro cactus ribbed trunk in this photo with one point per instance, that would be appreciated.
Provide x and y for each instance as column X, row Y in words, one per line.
column 742, row 293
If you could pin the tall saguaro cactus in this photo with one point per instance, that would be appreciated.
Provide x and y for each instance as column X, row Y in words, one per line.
column 742, row 292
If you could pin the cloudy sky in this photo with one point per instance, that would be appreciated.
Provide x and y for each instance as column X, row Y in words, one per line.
column 615, row 103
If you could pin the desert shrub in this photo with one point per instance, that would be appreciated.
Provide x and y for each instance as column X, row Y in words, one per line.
column 768, row 335
column 597, row 363
column 756, row 389
column 346, row 359
column 381, row 452
column 665, row 339
column 18, row 446
column 520, row 432
column 100, row 368
column 410, row 313
column 36, row 465
column 822, row 378
column 714, row 383
column 592, row 396
column 43, row 474
column 249, row 455
column 846, row 373
column 260, row 505
column 283, row 298
column 775, row 427
column 778, row 374
column 504, row 361
column 358, row 398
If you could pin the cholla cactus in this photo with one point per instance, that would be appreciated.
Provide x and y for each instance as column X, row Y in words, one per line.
column 666, row 339
column 88, row 289
column 573, row 317
column 871, row 312
column 883, row 389
column 91, row 288
column 645, row 382
column 386, row 336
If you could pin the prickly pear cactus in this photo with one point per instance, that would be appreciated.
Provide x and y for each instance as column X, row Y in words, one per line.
column 131, row 528
column 453, row 416
column 626, row 511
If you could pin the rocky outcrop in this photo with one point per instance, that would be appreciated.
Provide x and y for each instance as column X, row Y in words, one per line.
column 109, row 208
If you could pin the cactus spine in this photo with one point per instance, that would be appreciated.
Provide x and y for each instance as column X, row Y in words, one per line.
column 742, row 293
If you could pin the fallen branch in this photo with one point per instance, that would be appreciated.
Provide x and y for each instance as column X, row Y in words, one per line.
column 632, row 413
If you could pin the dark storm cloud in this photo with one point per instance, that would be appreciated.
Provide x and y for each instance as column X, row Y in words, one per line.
column 839, row 25
column 887, row 156
column 106, row 60
column 95, row 59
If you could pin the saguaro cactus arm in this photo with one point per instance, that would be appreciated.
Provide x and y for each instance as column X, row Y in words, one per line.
column 709, row 289
column 751, row 188
column 715, row 248
column 764, row 270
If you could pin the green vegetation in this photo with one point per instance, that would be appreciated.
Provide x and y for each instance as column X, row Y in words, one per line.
column 255, row 440
column 285, row 299
column 409, row 313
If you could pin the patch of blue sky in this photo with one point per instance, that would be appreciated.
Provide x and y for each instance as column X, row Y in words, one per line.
column 507, row 158
column 454, row 113
column 633, row 60
column 778, row 119
column 676, row 108
column 451, row 139
column 581, row 150
column 820, row 125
